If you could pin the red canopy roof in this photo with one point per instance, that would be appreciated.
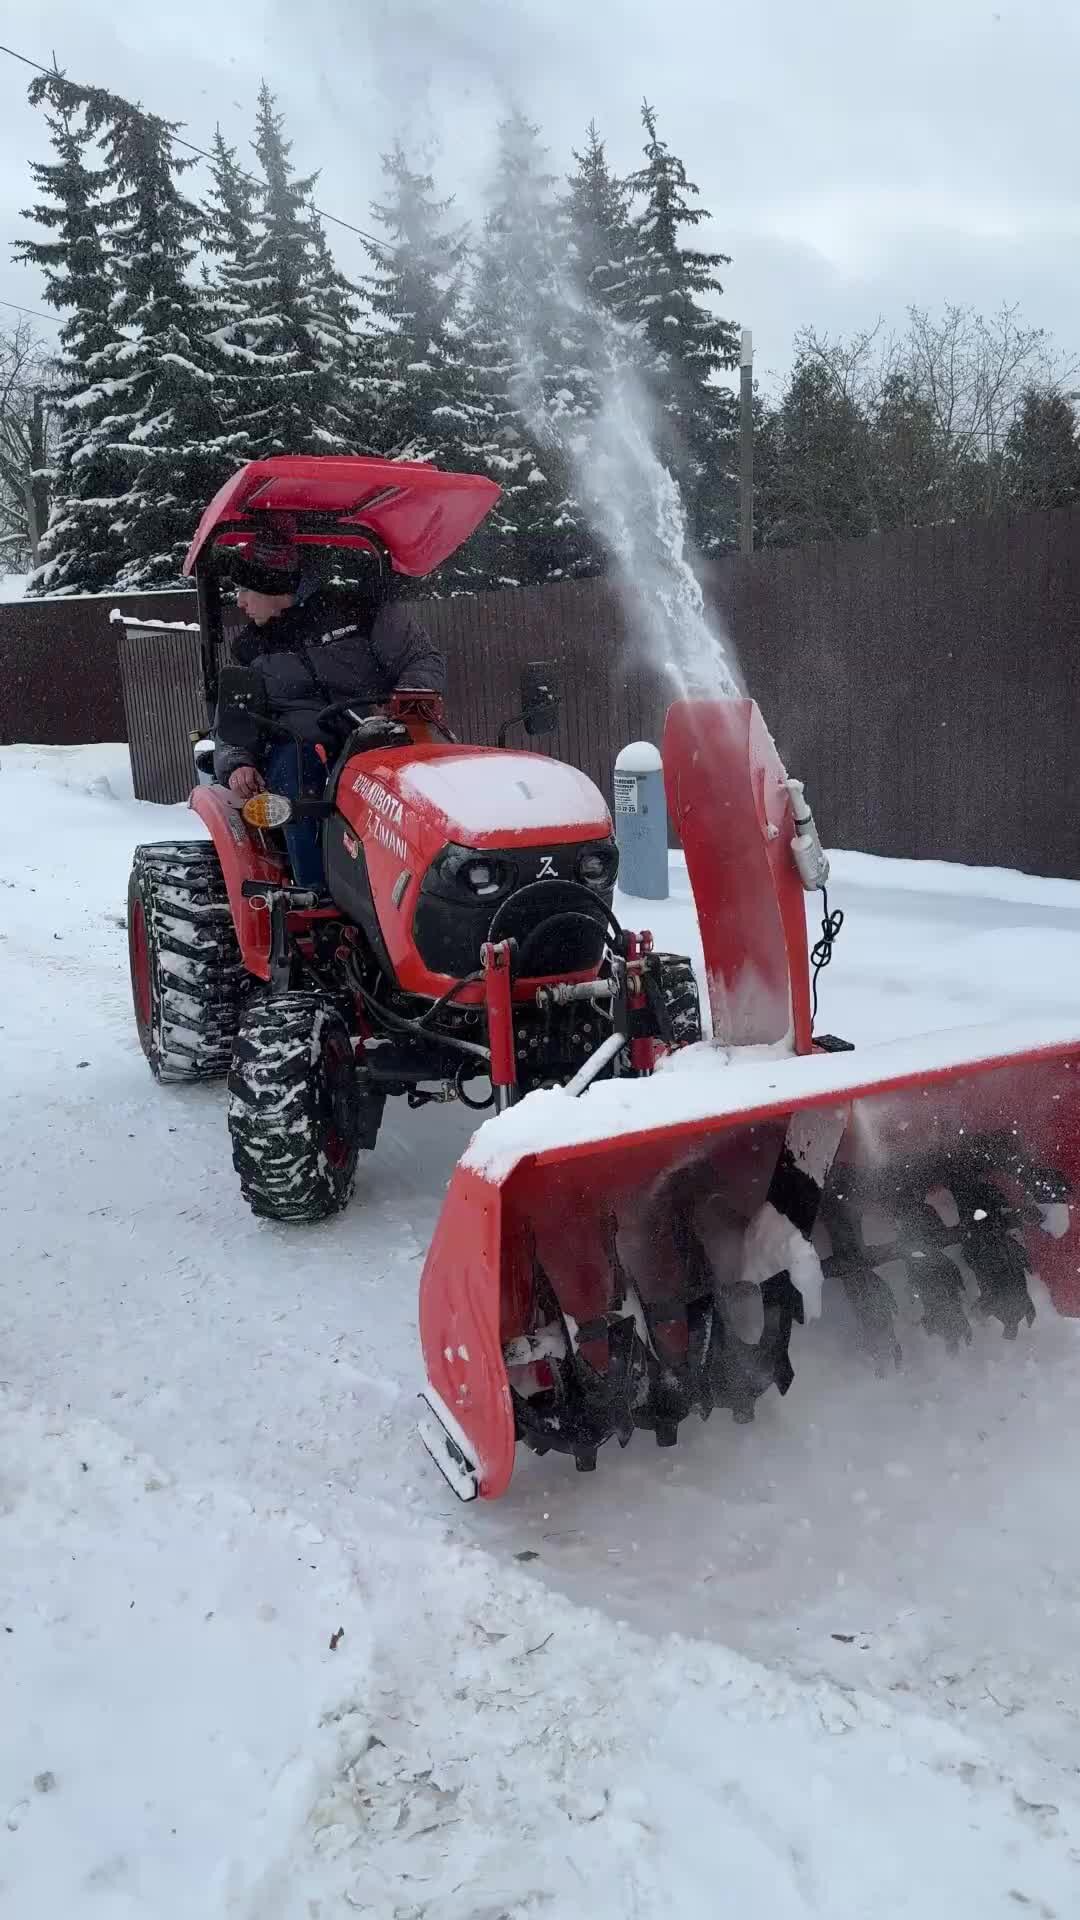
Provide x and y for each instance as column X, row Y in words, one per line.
column 420, row 514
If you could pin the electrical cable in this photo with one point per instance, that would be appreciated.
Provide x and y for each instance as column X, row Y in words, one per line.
column 821, row 951
column 381, row 245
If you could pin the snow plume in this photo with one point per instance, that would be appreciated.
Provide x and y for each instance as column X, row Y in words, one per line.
column 635, row 508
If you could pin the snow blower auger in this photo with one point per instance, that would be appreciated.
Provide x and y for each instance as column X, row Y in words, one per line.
column 625, row 1258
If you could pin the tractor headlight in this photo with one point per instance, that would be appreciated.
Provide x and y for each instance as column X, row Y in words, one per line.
column 266, row 810
column 598, row 866
column 483, row 876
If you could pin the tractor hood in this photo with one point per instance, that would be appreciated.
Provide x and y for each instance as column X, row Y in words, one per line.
column 485, row 797
column 411, row 511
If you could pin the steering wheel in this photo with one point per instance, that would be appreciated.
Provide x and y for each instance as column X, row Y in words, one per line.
column 355, row 712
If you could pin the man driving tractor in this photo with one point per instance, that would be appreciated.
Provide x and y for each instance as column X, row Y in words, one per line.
column 311, row 651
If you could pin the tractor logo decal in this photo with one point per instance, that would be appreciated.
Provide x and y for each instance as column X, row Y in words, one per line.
column 352, row 847
column 546, row 869
column 386, row 837
column 379, row 800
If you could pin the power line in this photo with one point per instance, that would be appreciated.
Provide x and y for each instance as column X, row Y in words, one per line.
column 31, row 312
column 334, row 218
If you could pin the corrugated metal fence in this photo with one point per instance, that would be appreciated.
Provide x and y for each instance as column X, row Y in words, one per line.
column 926, row 684
column 59, row 672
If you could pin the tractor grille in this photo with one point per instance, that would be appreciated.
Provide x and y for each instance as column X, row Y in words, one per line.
column 558, row 928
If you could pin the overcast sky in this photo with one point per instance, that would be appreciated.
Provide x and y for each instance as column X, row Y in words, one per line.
column 856, row 155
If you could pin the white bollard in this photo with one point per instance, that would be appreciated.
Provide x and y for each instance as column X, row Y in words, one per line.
column 641, row 822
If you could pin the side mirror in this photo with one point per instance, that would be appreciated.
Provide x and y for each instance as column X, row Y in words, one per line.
column 539, row 697
column 241, row 702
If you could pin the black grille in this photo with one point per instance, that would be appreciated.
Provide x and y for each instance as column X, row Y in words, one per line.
column 559, row 926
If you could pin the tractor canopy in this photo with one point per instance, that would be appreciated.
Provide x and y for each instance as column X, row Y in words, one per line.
column 408, row 510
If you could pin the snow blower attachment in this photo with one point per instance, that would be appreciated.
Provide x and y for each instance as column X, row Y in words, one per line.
column 624, row 1259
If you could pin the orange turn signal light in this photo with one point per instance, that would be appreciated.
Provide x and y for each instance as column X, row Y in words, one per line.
column 267, row 810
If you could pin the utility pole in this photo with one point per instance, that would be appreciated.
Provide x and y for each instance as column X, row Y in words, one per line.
column 37, row 497
column 746, row 443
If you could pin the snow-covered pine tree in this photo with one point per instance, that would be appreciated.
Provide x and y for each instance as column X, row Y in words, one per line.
column 601, row 240
column 293, row 313
column 229, row 214
column 80, row 550
column 673, row 293
column 158, row 367
column 228, row 236
column 531, row 381
column 413, row 361
column 417, row 378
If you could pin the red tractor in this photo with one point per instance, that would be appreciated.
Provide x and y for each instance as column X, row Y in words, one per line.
column 464, row 947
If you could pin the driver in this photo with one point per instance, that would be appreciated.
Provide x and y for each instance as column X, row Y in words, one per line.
column 311, row 651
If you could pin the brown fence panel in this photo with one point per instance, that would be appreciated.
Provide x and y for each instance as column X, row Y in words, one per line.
column 60, row 677
column 926, row 683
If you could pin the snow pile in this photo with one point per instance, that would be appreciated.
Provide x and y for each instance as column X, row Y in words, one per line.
column 163, row 1650
column 221, row 1711
column 13, row 587
column 948, row 880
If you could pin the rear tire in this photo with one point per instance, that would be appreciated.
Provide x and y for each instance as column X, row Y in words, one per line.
column 298, row 1116
column 188, row 982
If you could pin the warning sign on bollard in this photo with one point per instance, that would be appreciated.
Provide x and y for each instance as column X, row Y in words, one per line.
column 641, row 823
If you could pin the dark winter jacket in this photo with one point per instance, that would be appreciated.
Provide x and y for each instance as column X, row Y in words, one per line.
column 327, row 650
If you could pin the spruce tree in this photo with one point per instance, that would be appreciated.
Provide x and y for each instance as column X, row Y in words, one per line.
column 228, row 237
column 1042, row 455
column 672, row 289
column 600, row 238
column 813, row 474
column 163, row 422
column 229, row 214
column 903, row 457
column 293, row 312
column 80, row 550
column 413, row 360
column 532, row 381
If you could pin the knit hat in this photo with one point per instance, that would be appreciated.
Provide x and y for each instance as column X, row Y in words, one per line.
column 270, row 561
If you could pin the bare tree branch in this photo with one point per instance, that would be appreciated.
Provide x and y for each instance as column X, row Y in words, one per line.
column 28, row 421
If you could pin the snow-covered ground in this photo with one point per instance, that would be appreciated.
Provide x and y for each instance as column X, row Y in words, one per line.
column 253, row 1662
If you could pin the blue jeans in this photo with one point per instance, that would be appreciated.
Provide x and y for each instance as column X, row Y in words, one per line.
column 282, row 775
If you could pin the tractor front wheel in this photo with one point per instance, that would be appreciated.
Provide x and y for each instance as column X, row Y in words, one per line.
column 298, row 1114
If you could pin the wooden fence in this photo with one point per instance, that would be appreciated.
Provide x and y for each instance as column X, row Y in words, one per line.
column 59, row 671
column 925, row 684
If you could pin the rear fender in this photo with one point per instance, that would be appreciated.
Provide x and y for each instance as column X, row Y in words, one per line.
column 243, row 856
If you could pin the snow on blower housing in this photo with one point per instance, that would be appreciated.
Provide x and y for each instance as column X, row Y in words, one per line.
column 633, row 1242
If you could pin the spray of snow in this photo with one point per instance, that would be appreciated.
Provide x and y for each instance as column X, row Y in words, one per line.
column 633, row 503
column 773, row 1245
column 635, row 507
